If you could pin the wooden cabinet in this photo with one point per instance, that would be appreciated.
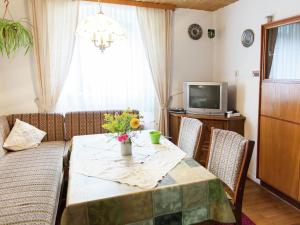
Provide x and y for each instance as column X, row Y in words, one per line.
column 279, row 155
column 234, row 124
column 279, row 115
column 279, row 137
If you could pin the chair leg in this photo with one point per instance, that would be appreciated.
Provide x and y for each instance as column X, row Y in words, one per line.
column 238, row 218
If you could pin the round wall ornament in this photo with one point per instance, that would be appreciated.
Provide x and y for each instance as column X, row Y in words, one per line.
column 247, row 38
column 195, row 31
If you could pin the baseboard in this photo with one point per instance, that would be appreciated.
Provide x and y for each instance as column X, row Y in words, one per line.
column 253, row 178
column 281, row 195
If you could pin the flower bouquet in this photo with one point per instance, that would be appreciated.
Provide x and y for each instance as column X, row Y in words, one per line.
column 123, row 126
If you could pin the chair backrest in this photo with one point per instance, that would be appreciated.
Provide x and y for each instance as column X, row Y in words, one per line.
column 229, row 158
column 51, row 123
column 189, row 136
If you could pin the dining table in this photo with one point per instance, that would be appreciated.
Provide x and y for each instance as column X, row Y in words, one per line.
column 157, row 185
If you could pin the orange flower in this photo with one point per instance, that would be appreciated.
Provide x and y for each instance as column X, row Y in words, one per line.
column 135, row 123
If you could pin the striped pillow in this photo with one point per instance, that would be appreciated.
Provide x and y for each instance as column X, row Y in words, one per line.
column 4, row 132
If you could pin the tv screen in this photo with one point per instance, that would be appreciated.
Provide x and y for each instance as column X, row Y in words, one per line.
column 204, row 96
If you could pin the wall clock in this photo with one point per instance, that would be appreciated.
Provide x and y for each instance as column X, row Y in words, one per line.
column 195, row 31
column 247, row 38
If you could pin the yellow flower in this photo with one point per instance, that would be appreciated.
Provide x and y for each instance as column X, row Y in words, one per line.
column 135, row 123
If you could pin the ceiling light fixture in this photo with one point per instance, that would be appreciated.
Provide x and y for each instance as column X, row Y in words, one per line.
column 100, row 29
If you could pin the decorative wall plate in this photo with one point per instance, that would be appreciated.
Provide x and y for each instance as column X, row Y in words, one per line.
column 247, row 38
column 195, row 31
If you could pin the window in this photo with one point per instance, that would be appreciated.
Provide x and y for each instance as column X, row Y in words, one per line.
column 118, row 78
column 283, row 61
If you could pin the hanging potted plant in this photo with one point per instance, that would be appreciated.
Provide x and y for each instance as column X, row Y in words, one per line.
column 13, row 35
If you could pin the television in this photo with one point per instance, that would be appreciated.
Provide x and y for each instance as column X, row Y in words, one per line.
column 205, row 97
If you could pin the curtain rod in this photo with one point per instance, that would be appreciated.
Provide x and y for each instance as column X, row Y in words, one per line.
column 139, row 4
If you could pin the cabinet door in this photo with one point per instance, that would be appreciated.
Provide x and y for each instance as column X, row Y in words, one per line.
column 208, row 124
column 174, row 126
column 279, row 146
column 279, row 155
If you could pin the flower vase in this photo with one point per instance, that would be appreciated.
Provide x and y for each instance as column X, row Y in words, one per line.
column 126, row 148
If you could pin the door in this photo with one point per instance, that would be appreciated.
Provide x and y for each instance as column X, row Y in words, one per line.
column 279, row 116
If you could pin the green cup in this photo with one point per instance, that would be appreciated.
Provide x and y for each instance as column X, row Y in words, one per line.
column 155, row 137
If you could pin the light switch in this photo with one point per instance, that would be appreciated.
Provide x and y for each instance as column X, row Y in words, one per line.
column 236, row 73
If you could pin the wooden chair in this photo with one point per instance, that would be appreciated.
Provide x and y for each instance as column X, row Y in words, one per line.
column 190, row 136
column 229, row 158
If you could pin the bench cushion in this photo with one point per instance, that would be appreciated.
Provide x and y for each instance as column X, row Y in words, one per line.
column 30, row 183
column 51, row 123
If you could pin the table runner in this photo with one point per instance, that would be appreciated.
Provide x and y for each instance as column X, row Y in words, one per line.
column 189, row 194
column 148, row 164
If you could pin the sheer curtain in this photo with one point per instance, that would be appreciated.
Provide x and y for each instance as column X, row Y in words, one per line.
column 53, row 27
column 286, row 60
column 118, row 78
column 155, row 25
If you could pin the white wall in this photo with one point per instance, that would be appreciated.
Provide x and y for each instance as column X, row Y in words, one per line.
column 230, row 56
column 192, row 60
column 16, row 90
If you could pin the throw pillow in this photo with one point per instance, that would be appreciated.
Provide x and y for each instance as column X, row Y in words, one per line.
column 23, row 136
column 4, row 132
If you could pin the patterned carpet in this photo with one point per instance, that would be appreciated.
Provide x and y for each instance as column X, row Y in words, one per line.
column 245, row 221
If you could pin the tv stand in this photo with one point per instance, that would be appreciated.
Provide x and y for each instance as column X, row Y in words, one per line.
column 206, row 114
column 217, row 121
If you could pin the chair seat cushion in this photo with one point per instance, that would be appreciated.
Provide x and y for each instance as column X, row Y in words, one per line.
column 30, row 183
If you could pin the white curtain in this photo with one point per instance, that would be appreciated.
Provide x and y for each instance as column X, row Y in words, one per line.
column 155, row 25
column 286, row 60
column 118, row 78
column 53, row 27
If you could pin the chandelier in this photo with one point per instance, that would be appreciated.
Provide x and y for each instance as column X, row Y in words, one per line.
column 101, row 30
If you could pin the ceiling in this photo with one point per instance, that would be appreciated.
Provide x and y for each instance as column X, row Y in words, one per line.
column 208, row 5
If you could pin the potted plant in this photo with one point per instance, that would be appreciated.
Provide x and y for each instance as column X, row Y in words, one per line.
column 122, row 126
column 13, row 35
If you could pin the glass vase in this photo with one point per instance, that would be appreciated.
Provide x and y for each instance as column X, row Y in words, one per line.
column 126, row 148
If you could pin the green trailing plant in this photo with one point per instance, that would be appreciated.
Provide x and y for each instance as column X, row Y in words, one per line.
column 13, row 35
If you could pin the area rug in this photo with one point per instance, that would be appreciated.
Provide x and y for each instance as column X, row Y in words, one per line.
column 245, row 221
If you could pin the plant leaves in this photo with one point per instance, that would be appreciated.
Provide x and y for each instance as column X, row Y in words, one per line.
column 119, row 123
column 13, row 35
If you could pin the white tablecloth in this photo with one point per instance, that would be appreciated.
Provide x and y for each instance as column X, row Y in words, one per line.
column 145, row 168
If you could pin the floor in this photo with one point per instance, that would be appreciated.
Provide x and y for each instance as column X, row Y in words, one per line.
column 263, row 208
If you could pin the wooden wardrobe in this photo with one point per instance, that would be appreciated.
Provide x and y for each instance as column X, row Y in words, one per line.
column 279, row 114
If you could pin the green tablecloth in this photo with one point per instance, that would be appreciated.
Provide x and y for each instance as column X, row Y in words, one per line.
column 189, row 194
